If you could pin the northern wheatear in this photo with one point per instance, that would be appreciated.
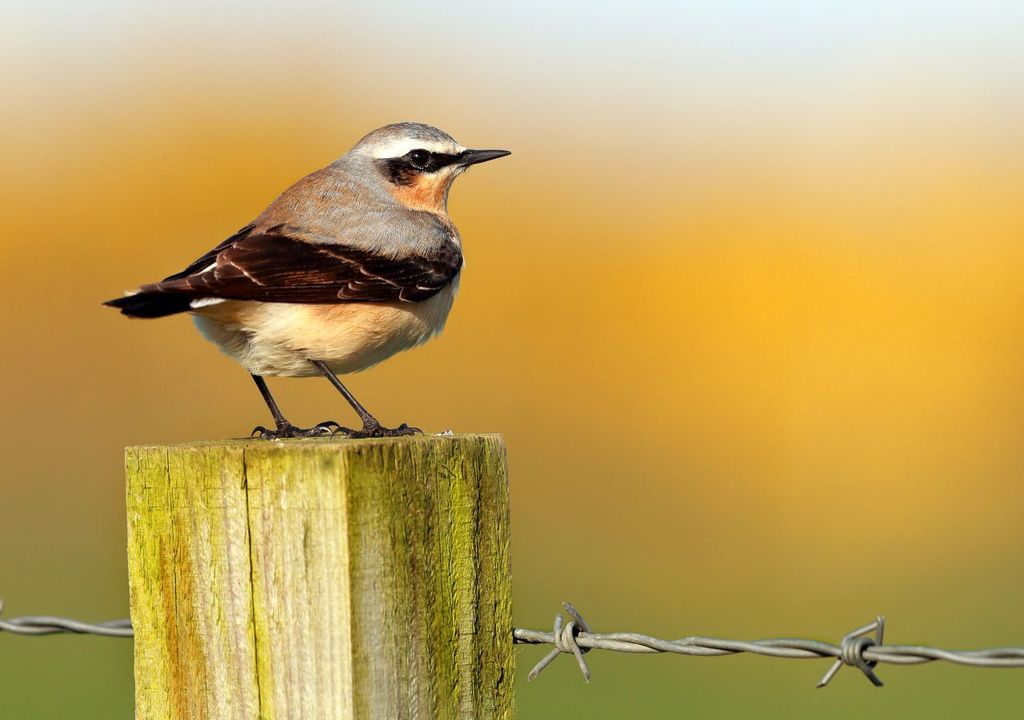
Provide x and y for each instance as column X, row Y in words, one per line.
column 350, row 265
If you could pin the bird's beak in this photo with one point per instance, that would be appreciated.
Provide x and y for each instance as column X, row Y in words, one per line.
column 472, row 157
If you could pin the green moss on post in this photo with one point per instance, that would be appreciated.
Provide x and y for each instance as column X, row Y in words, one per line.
column 321, row 579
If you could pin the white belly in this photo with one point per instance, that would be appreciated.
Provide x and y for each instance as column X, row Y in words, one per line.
column 282, row 338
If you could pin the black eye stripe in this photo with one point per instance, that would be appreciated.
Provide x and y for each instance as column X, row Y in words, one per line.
column 435, row 161
column 403, row 170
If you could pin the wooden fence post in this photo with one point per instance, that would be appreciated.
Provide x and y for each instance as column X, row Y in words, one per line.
column 321, row 579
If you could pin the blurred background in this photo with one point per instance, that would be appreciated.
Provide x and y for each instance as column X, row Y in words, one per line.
column 746, row 303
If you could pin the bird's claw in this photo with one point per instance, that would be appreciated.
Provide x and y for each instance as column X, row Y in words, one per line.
column 330, row 427
column 376, row 430
column 324, row 429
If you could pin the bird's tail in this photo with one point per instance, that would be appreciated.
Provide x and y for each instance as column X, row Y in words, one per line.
column 151, row 304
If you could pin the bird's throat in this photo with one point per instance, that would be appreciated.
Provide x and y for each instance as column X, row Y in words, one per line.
column 426, row 193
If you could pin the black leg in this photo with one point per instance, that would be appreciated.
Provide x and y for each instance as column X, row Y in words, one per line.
column 284, row 428
column 269, row 400
column 371, row 427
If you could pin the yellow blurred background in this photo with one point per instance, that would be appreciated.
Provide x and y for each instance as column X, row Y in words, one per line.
column 745, row 301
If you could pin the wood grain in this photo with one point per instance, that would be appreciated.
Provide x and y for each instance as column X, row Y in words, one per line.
column 321, row 579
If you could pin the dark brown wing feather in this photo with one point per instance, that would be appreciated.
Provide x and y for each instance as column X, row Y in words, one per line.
column 276, row 268
column 272, row 267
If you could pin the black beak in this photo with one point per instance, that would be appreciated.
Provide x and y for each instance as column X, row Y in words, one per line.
column 472, row 157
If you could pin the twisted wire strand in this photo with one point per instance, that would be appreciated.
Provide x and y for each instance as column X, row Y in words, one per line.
column 576, row 638
column 51, row 625
column 855, row 649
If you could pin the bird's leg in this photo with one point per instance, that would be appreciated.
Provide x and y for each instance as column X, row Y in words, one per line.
column 284, row 428
column 371, row 428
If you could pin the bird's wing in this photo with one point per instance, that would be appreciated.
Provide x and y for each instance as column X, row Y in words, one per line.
column 272, row 266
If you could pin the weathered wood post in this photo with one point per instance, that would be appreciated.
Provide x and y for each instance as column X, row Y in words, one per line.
column 321, row 579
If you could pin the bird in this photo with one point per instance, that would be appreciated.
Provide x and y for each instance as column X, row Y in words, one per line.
column 353, row 263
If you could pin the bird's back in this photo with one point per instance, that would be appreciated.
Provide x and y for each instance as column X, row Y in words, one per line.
column 343, row 204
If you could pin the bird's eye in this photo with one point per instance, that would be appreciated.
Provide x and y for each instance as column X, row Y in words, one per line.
column 419, row 159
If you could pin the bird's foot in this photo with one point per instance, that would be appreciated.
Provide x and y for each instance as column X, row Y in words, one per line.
column 287, row 430
column 373, row 429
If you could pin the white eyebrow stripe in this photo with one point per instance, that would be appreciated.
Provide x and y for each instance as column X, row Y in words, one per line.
column 400, row 146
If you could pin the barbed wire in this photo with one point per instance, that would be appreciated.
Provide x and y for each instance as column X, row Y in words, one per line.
column 50, row 625
column 576, row 638
column 855, row 649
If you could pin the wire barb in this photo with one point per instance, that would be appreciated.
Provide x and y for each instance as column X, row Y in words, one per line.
column 851, row 652
column 565, row 642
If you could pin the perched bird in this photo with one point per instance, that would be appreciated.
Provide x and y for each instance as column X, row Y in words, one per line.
column 350, row 265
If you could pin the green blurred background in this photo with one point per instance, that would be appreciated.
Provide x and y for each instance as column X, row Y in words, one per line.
column 745, row 301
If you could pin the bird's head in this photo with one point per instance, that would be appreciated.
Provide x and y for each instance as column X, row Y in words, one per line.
column 417, row 163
